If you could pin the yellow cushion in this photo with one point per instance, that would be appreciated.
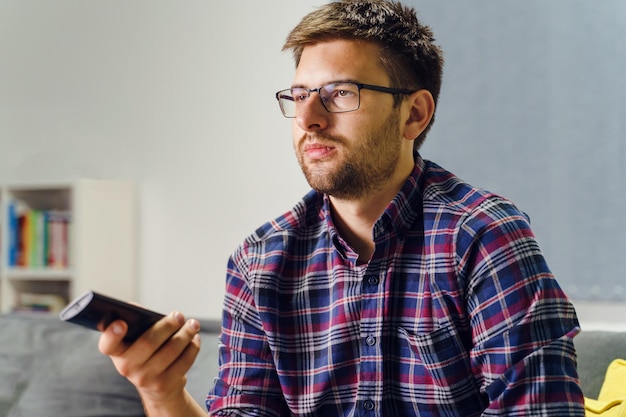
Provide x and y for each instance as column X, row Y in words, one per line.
column 611, row 401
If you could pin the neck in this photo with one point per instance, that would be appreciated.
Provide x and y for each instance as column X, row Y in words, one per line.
column 354, row 221
column 355, row 217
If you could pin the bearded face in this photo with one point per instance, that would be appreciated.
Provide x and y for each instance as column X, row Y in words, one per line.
column 354, row 167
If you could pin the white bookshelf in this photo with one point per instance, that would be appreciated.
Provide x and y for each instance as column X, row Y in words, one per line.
column 101, row 241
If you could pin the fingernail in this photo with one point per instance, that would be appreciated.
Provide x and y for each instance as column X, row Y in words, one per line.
column 117, row 328
column 194, row 324
column 178, row 316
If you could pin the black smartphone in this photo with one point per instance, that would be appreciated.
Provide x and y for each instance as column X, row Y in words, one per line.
column 96, row 311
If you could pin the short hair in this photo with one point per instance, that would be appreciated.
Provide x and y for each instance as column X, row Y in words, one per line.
column 408, row 52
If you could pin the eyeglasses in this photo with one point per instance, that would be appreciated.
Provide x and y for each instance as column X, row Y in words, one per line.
column 338, row 97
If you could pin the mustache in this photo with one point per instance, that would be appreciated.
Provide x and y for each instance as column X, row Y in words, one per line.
column 311, row 137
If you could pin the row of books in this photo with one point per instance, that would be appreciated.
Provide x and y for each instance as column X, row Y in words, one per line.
column 37, row 238
column 45, row 303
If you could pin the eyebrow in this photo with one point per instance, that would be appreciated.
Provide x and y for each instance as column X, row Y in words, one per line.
column 348, row 80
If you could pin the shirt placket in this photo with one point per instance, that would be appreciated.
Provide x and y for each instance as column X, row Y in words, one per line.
column 373, row 305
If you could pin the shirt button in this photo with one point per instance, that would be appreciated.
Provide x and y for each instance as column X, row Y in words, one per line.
column 372, row 280
column 370, row 340
column 368, row 405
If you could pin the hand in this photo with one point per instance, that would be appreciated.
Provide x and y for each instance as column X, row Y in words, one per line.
column 157, row 362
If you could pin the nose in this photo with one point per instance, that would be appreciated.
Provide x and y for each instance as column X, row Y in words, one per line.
column 312, row 115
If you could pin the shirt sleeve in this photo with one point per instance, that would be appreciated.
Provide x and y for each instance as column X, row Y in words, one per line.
column 522, row 323
column 247, row 382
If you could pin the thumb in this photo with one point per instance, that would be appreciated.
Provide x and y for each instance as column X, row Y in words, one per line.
column 110, row 342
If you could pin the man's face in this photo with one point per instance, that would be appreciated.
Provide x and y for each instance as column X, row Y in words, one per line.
column 346, row 155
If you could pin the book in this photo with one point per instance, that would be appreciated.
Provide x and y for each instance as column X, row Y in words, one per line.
column 40, row 302
column 12, row 227
column 38, row 238
column 58, row 239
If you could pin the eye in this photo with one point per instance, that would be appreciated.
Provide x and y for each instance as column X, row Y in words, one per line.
column 299, row 95
column 342, row 91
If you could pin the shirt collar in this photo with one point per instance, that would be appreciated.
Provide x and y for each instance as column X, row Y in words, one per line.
column 399, row 216
column 403, row 211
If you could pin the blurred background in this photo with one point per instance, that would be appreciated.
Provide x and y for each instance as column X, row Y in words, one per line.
column 178, row 97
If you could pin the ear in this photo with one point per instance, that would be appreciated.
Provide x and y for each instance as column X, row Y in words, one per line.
column 421, row 107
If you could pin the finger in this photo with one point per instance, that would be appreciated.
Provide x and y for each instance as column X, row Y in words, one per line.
column 150, row 341
column 172, row 360
column 136, row 362
column 170, row 353
column 176, row 374
column 110, row 342
column 187, row 358
column 147, row 346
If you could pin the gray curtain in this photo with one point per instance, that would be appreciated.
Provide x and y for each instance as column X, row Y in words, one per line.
column 533, row 108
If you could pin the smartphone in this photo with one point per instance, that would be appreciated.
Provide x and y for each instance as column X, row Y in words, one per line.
column 96, row 311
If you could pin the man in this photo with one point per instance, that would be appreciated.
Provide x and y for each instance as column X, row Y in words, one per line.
column 393, row 288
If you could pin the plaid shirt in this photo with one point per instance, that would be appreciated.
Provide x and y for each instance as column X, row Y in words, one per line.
column 456, row 314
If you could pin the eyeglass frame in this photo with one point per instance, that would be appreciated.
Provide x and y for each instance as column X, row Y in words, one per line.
column 360, row 86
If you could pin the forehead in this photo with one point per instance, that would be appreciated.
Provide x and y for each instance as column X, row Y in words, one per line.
column 340, row 60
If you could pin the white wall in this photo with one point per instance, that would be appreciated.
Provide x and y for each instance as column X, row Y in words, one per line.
column 178, row 96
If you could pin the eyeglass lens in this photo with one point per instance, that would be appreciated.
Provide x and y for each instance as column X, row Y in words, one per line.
column 336, row 98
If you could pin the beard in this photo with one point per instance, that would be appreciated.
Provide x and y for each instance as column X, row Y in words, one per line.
column 365, row 165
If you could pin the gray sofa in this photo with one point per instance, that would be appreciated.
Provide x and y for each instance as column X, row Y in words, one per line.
column 53, row 369
column 49, row 368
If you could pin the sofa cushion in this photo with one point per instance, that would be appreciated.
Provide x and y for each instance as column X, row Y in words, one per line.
column 596, row 349
column 52, row 368
column 66, row 374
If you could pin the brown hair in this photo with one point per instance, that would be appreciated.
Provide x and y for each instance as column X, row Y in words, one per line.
column 408, row 52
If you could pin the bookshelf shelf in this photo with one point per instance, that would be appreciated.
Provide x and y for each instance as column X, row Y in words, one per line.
column 17, row 274
column 59, row 239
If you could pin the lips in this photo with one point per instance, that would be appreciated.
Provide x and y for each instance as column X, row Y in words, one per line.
column 317, row 150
